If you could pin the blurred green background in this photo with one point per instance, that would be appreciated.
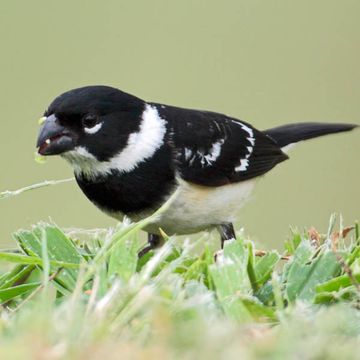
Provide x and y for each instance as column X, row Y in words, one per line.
column 266, row 62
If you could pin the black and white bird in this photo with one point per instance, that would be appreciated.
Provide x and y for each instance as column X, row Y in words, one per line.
column 129, row 156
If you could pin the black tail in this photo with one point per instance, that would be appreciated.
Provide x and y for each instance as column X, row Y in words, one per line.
column 292, row 133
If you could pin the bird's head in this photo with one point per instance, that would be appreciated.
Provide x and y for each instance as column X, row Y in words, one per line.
column 93, row 119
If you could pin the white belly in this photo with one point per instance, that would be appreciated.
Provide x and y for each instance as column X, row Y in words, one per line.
column 198, row 208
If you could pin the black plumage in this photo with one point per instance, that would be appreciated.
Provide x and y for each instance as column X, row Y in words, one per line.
column 197, row 131
column 130, row 156
column 293, row 133
column 134, row 191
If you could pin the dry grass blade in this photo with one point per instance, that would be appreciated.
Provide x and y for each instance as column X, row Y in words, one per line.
column 10, row 193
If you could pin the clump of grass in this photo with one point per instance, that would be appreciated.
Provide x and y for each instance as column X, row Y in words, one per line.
column 88, row 295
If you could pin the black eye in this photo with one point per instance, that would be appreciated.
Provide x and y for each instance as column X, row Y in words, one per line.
column 89, row 121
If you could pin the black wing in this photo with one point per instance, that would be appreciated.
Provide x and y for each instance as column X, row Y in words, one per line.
column 213, row 149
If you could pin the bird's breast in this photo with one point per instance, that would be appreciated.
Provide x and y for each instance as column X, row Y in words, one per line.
column 197, row 208
column 128, row 193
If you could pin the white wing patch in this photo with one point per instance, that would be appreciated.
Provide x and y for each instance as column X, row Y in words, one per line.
column 188, row 154
column 244, row 162
column 140, row 146
column 208, row 159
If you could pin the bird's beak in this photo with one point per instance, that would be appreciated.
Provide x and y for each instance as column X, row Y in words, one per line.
column 54, row 139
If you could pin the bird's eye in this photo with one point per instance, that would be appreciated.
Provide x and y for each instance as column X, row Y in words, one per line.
column 89, row 121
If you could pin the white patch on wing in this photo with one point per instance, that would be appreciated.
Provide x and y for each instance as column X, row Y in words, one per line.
column 244, row 162
column 188, row 154
column 214, row 153
column 94, row 129
column 140, row 146
column 246, row 128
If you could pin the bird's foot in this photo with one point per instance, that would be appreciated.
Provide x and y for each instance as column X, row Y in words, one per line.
column 218, row 255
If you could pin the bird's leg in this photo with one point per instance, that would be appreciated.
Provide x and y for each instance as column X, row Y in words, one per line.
column 153, row 242
column 227, row 232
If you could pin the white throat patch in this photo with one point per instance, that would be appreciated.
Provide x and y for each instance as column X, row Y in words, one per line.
column 140, row 146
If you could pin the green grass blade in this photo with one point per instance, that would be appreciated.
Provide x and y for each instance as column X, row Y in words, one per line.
column 15, row 291
column 250, row 267
column 18, row 274
column 33, row 260
column 265, row 265
column 336, row 283
column 258, row 311
column 9, row 274
column 124, row 258
column 230, row 278
column 306, row 271
column 61, row 251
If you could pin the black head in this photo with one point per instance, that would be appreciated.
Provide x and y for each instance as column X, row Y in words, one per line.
column 98, row 118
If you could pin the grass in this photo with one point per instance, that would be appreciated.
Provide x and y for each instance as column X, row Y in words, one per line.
column 86, row 295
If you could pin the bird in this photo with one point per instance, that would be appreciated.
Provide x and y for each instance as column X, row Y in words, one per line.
column 130, row 156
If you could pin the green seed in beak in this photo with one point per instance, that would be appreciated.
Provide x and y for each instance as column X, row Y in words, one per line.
column 39, row 158
column 41, row 120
